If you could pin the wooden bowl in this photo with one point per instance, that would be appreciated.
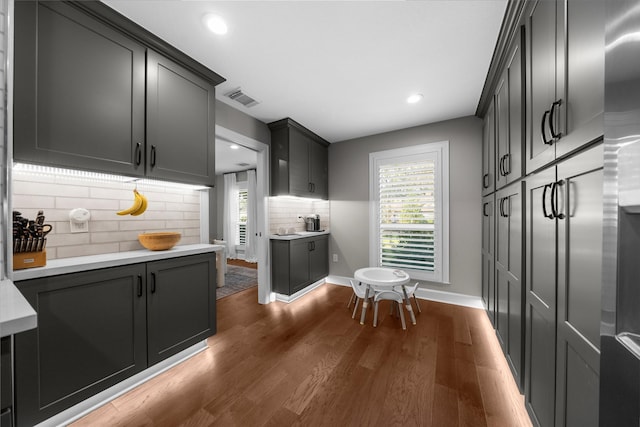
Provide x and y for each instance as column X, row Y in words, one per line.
column 160, row 241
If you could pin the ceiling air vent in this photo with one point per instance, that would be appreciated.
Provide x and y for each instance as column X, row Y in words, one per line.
column 241, row 97
column 242, row 165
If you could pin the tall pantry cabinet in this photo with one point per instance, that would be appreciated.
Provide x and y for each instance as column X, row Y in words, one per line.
column 543, row 294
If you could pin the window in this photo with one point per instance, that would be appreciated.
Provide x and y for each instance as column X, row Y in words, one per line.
column 409, row 216
column 242, row 214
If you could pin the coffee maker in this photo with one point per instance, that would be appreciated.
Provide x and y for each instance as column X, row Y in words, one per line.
column 313, row 222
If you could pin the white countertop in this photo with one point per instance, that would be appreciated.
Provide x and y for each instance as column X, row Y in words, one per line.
column 298, row 235
column 93, row 262
column 16, row 314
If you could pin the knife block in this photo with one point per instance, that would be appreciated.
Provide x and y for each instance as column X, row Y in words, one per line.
column 24, row 260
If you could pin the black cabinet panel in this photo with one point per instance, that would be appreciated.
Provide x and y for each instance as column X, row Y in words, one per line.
column 180, row 123
column 297, row 263
column 180, row 304
column 299, row 161
column 91, row 334
column 79, row 88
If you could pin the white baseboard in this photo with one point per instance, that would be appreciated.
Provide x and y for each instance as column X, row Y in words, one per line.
column 78, row 411
column 290, row 298
column 427, row 294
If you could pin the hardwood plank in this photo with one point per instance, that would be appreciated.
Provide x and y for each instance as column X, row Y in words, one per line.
column 309, row 363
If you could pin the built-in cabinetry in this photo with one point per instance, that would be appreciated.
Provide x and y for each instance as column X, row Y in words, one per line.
column 564, row 262
column 542, row 214
column 488, row 256
column 299, row 161
column 509, row 110
column 99, row 327
column 565, row 77
column 297, row 263
column 509, row 304
column 91, row 94
column 489, row 151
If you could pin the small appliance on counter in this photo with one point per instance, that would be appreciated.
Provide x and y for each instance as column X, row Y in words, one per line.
column 29, row 241
column 313, row 222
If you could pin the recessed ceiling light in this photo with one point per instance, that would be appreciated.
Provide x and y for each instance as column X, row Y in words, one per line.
column 416, row 97
column 215, row 23
column 234, row 146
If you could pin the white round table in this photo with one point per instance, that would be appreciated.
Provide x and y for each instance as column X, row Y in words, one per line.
column 383, row 278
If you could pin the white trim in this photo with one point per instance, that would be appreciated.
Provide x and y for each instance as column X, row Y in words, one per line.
column 94, row 402
column 291, row 298
column 426, row 294
column 262, row 208
column 441, row 151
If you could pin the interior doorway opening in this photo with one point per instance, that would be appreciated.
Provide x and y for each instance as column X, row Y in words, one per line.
column 260, row 231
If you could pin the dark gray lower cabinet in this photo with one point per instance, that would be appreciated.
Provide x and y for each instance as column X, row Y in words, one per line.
column 508, row 276
column 91, row 334
column 181, row 308
column 97, row 328
column 298, row 263
column 488, row 256
column 564, row 263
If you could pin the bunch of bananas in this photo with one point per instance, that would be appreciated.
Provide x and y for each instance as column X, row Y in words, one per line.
column 138, row 207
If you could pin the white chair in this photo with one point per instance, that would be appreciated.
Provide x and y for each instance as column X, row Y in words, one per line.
column 411, row 292
column 359, row 290
column 391, row 296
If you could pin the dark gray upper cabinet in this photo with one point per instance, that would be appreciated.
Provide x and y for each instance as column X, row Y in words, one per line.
column 509, row 110
column 299, row 161
column 565, row 78
column 298, row 263
column 94, row 91
column 181, row 309
column 91, row 334
column 489, row 151
column 180, row 123
column 79, row 91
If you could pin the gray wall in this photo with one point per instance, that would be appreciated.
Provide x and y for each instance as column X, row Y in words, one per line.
column 237, row 121
column 349, row 196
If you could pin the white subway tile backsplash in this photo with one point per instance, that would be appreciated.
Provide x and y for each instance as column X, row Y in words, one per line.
column 169, row 209
column 87, row 203
column 283, row 213
column 25, row 202
column 73, row 251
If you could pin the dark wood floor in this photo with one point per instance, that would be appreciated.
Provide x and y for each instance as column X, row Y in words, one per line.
column 242, row 263
column 308, row 363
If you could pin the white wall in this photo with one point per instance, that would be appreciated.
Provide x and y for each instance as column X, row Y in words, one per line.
column 349, row 195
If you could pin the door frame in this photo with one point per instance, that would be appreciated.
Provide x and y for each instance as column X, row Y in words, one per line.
column 262, row 207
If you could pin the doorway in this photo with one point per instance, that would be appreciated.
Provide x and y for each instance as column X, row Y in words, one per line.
column 262, row 193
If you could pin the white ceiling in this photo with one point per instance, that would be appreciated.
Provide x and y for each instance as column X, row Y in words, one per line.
column 343, row 69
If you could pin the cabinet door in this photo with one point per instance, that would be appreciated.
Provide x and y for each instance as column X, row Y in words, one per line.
column 581, row 80
column 579, row 288
column 180, row 123
column 319, row 170
column 79, row 91
column 540, row 345
column 299, row 264
column 501, row 100
column 488, row 258
column 299, row 144
column 488, row 152
column 90, row 336
column 319, row 258
column 512, row 164
column 509, row 293
column 181, row 304
column 541, row 76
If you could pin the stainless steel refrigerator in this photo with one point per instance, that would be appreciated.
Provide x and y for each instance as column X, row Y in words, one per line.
column 620, row 324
